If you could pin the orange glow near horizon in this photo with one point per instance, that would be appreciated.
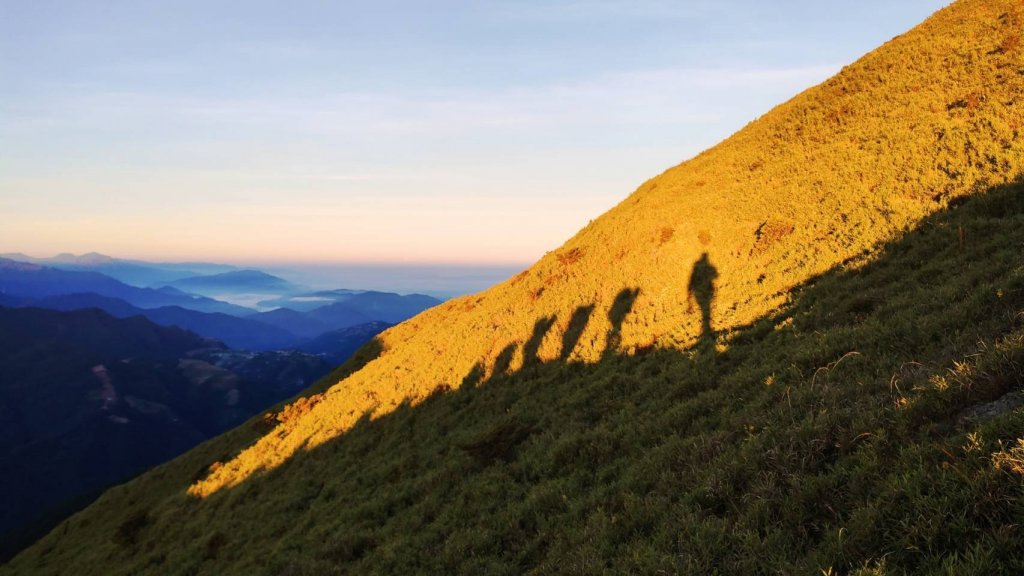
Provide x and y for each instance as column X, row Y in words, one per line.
column 456, row 232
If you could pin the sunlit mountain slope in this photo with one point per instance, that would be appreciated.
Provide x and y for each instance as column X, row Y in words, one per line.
column 930, row 117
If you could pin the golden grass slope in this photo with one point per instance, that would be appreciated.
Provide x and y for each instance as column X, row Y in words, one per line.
column 931, row 116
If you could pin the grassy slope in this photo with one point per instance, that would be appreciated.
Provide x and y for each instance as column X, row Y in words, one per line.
column 770, row 453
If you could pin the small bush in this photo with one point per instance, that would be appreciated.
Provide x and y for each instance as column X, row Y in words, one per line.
column 571, row 257
column 130, row 529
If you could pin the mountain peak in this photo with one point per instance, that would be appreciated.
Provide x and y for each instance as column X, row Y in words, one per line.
column 87, row 259
column 19, row 265
column 250, row 274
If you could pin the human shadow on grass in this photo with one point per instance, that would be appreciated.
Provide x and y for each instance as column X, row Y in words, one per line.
column 701, row 289
column 578, row 321
column 621, row 307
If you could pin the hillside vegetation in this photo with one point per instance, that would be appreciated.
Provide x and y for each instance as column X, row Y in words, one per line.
column 799, row 351
column 88, row 401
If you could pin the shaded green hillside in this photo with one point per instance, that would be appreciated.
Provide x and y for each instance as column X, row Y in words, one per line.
column 88, row 400
column 778, row 357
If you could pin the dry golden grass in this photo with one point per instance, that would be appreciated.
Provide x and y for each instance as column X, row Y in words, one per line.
column 932, row 116
column 1010, row 459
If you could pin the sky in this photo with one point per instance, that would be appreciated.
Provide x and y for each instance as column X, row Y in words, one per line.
column 401, row 132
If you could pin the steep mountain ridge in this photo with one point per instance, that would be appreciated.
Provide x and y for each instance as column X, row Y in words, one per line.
column 931, row 116
column 745, row 326
column 236, row 332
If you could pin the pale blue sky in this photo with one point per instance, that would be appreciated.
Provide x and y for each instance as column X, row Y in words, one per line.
column 400, row 131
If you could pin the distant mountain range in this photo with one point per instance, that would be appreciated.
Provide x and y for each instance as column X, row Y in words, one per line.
column 306, row 301
column 240, row 333
column 33, row 281
column 298, row 323
column 275, row 330
column 337, row 345
column 134, row 272
column 384, row 306
column 24, row 284
column 236, row 281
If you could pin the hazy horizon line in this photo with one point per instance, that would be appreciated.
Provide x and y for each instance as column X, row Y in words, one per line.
column 235, row 261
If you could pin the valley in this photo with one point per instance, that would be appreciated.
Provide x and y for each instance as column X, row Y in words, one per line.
column 102, row 380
